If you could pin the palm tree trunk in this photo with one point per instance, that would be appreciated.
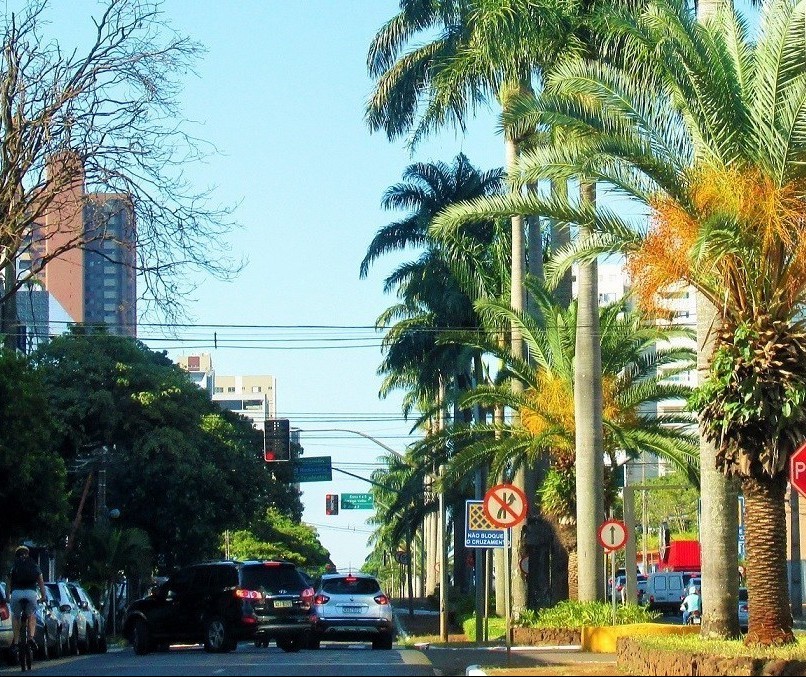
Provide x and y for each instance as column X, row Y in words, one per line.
column 719, row 518
column 560, row 237
column 573, row 578
column 770, row 616
column 516, row 346
column 588, row 422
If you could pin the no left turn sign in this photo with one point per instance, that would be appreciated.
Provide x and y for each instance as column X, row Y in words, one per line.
column 505, row 505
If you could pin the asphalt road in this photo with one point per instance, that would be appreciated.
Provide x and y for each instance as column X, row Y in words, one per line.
column 331, row 659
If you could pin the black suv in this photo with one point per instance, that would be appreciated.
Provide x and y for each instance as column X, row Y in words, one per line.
column 220, row 603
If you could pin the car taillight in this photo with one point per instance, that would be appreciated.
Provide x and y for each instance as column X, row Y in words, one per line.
column 248, row 594
column 4, row 614
column 743, row 607
column 307, row 596
column 381, row 599
column 321, row 599
column 652, row 598
column 271, row 564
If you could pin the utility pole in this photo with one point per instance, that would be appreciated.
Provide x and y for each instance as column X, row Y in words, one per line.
column 101, row 511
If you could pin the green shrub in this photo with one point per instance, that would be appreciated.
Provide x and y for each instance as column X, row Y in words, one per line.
column 573, row 614
column 496, row 627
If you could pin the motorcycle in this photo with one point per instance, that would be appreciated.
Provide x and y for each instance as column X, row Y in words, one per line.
column 694, row 618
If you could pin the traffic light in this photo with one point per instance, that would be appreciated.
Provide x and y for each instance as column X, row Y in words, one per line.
column 277, row 439
column 332, row 504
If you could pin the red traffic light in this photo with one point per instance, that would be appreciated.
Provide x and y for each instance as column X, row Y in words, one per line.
column 332, row 504
column 269, row 455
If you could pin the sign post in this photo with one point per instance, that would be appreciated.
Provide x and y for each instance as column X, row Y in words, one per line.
column 505, row 505
column 612, row 535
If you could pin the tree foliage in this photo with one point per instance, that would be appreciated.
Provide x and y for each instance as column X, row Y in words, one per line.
column 179, row 468
column 277, row 537
column 32, row 488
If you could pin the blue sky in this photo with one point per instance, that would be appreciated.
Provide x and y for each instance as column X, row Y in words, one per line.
column 281, row 94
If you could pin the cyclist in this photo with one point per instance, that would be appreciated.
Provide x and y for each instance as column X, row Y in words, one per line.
column 24, row 579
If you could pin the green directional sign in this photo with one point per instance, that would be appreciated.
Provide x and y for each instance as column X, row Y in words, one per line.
column 313, row 469
column 357, row 502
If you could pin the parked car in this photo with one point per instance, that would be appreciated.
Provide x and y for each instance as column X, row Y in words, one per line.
column 744, row 612
column 6, row 632
column 52, row 632
column 221, row 603
column 72, row 618
column 351, row 607
column 96, row 629
column 667, row 589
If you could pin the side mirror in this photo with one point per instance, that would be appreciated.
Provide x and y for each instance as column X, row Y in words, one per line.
column 65, row 608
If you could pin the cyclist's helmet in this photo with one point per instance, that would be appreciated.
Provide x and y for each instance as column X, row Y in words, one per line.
column 21, row 551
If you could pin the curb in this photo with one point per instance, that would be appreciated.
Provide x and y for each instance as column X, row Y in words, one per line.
column 474, row 670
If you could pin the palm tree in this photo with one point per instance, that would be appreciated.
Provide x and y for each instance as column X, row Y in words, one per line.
column 431, row 297
column 634, row 369
column 708, row 134
column 483, row 50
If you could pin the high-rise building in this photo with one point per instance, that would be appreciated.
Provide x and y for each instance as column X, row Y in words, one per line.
column 94, row 283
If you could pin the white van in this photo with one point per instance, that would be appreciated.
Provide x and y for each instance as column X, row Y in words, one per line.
column 667, row 589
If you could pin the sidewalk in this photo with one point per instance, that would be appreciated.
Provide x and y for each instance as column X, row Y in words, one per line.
column 460, row 657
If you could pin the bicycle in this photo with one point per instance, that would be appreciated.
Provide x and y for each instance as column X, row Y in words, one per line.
column 24, row 649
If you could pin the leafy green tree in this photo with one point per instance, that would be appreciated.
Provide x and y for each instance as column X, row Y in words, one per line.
column 678, row 507
column 276, row 536
column 32, row 490
column 178, row 467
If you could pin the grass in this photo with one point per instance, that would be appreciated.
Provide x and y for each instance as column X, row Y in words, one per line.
column 730, row 648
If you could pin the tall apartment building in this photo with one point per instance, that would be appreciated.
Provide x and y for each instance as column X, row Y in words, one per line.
column 94, row 284
column 200, row 369
column 250, row 396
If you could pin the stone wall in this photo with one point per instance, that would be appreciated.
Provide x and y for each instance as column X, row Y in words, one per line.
column 547, row 636
column 636, row 659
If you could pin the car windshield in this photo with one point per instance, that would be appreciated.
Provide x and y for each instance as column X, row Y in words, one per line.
column 742, row 594
column 351, row 586
column 272, row 579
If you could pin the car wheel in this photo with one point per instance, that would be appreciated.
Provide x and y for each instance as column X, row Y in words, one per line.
column 73, row 645
column 382, row 642
column 216, row 638
column 314, row 641
column 43, row 652
column 140, row 637
column 292, row 644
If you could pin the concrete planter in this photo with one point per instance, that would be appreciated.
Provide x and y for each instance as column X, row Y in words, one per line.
column 546, row 636
column 636, row 659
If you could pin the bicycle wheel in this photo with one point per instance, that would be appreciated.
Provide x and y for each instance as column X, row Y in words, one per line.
column 23, row 650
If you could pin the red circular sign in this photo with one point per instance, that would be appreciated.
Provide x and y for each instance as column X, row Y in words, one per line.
column 612, row 535
column 505, row 505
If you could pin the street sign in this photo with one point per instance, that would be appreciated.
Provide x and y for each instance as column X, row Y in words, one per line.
column 357, row 502
column 505, row 505
column 313, row 469
column 480, row 532
column 741, row 543
column 612, row 535
column 797, row 469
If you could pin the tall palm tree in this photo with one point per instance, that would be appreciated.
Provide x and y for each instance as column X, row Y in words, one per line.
column 483, row 50
column 709, row 134
column 635, row 364
column 432, row 299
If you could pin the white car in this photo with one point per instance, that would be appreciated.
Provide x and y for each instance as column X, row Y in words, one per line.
column 350, row 607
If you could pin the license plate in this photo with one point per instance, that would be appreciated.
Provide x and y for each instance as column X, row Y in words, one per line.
column 351, row 609
column 282, row 604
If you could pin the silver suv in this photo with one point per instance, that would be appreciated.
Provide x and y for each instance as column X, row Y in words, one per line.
column 350, row 607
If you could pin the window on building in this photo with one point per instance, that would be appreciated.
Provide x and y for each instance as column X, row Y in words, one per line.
column 110, row 294
column 257, row 389
column 218, row 389
column 230, row 389
column 110, row 282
